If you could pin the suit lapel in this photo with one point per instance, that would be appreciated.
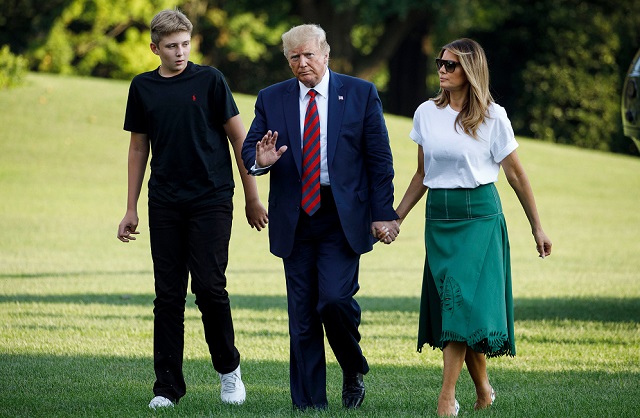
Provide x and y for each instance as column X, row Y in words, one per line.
column 337, row 99
column 291, row 107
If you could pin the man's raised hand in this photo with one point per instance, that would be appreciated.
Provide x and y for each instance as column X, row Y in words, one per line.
column 266, row 153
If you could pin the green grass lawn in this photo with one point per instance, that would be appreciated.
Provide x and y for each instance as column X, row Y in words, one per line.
column 76, row 303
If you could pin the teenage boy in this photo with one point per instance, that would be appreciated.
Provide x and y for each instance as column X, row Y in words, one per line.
column 183, row 113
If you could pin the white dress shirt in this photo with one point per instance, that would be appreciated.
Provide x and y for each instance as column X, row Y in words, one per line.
column 322, row 102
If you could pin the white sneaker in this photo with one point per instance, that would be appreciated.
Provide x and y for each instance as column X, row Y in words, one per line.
column 160, row 402
column 232, row 389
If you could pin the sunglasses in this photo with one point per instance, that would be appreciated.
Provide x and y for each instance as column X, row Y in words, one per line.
column 449, row 66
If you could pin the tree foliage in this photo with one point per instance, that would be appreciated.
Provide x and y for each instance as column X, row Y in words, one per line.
column 105, row 38
column 242, row 38
column 556, row 65
column 13, row 68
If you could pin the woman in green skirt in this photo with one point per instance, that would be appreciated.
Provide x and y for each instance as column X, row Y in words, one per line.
column 463, row 139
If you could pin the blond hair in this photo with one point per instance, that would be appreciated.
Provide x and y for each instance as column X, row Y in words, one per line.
column 167, row 22
column 299, row 35
column 474, row 64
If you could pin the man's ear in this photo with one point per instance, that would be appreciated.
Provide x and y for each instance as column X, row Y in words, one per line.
column 154, row 48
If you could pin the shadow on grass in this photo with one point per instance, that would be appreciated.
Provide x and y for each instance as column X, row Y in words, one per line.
column 50, row 386
column 74, row 274
column 604, row 309
column 582, row 309
column 148, row 273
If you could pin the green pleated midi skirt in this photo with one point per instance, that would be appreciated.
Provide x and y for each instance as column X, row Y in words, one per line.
column 466, row 289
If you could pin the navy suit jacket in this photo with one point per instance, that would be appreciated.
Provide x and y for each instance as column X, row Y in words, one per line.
column 358, row 157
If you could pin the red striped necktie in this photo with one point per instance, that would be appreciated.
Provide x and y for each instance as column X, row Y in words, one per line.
column 311, row 157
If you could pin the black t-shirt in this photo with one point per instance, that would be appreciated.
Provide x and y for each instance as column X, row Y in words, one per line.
column 183, row 117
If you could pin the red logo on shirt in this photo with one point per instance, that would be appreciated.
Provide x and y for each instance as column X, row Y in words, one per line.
column 193, row 97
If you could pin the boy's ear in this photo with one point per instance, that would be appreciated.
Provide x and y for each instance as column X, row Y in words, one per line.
column 154, row 48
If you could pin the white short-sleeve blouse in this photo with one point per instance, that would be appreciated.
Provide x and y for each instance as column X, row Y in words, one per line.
column 453, row 159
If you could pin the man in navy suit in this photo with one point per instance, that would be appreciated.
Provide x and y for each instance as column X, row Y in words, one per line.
column 351, row 206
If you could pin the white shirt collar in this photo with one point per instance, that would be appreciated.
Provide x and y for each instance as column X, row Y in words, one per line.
column 322, row 88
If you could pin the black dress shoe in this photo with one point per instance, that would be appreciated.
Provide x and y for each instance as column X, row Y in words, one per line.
column 352, row 390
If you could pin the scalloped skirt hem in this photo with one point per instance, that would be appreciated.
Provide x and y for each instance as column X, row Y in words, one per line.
column 493, row 346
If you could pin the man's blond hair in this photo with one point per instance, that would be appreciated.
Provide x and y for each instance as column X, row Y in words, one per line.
column 300, row 35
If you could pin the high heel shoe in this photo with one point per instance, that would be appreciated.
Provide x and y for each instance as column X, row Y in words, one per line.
column 493, row 398
column 457, row 409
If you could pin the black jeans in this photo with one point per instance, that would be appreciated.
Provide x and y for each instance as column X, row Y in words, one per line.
column 195, row 240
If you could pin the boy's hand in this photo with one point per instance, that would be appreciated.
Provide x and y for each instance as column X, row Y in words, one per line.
column 127, row 227
column 257, row 215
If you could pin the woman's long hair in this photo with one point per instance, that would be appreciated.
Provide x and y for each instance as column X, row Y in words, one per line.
column 474, row 63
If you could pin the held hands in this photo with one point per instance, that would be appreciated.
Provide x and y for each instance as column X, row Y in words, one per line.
column 385, row 231
column 266, row 153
